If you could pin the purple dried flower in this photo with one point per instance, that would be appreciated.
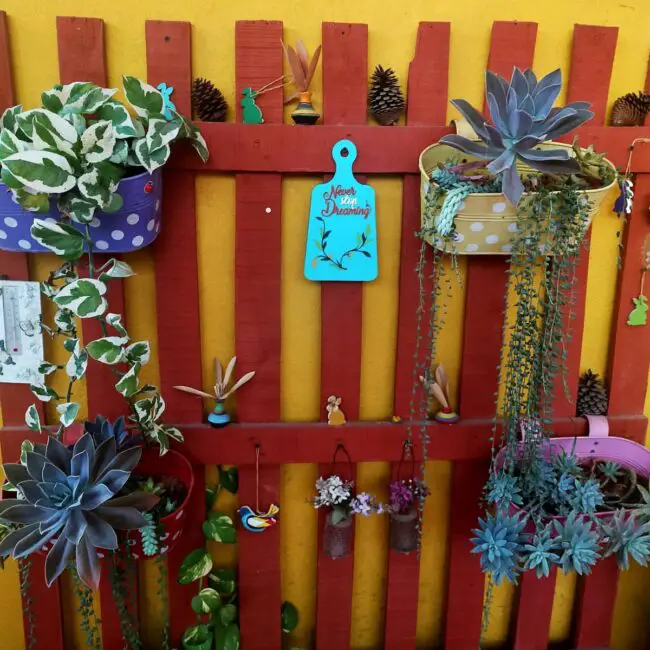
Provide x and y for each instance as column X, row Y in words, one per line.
column 404, row 493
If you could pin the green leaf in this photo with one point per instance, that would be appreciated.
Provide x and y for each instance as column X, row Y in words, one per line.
column 43, row 392
column 76, row 207
column 67, row 413
column 64, row 320
column 128, row 383
column 26, row 447
column 108, row 350
column 207, row 601
column 139, row 352
column 76, row 98
column 44, row 137
column 160, row 133
column 47, row 368
column 32, row 419
column 145, row 99
column 8, row 119
column 223, row 580
column 32, row 202
column 83, row 297
column 118, row 115
column 10, row 180
column 231, row 638
column 210, row 498
column 196, row 565
column 229, row 479
column 228, row 614
column 196, row 636
column 41, row 171
column 150, row 160
column 220, row 528
column 70, row 344
column 338, row 515
column 289, row 617
column 116, row 202
column 50, row 121
column 10, row 144
column 77, row 363
column 63, row 240
column 96, row 187
column 98, row 142
column 115, row 269
column 115, row 321
column 191, row 132
column 149, row 409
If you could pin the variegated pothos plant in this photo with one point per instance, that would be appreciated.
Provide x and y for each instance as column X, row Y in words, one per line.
column 75, row 149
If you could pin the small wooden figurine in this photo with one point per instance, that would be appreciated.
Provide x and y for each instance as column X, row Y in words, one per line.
column 302, row 69
column 255, row 522
column 439, row 388
column 639, row 315
column 251, row 112
column 335, row 416
column 219, row 417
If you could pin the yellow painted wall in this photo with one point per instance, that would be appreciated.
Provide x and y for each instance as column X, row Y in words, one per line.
column 392, row 30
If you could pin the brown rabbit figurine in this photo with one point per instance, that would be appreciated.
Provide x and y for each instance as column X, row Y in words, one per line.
column 438, row 387
column 335, row 415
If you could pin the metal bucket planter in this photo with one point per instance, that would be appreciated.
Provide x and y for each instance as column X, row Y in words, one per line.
column 171, row 526
column 337, row 538
column 404, row 531
column 135, row 225
column 486, row 224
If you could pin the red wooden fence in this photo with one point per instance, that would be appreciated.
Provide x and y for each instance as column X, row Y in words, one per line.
column 258, row 156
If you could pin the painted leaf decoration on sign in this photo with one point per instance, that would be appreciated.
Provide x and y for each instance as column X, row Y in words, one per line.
column 145, row 99
column 98, row 142
column 77, row 363
column 107, row 350
column 67, row 413
column 43, row 392
column 128, row 383
column 207, row 601
column 196, row 565
column 41, row 171
column 32, row 419
column 220, row 528
column 139, row 352
column 120, row 118
column 115, row 268
column 84, row 297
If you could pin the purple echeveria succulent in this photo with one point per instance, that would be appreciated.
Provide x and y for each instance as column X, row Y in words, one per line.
column 68, row 495
column 523, row 117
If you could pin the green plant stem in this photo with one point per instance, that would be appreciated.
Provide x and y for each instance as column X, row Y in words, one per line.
column 163, row 598
column 89, row 621
column 120, row 580
column 24, row 569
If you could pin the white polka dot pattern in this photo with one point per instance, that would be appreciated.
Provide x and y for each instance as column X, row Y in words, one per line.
column 3, row 234
column 491, row 239
column 477, row 226
column 471, row 248
column 499, row 207
column 24, row 244
column 11, row 222
column 101, row 244
column 132, row 219
column 117, row 235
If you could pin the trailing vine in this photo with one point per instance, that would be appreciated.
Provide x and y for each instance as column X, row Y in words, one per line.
column 89, row 620
column 163, row 599
column 24, row 569
column 122, row 577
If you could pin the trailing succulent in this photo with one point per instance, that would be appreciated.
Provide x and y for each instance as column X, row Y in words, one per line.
column 67, row 495
column 79, row 144
column 523, row 117
column 543, row 516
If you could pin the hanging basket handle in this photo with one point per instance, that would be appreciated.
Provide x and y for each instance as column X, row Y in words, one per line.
column 407, row 454
column 340, row 447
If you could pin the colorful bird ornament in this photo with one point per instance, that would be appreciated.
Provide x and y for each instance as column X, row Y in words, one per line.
column 255, row 522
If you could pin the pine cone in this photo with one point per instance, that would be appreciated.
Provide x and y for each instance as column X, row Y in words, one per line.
column 592, row 395
column 208, row 101
column 385, row 98
column 631, row 109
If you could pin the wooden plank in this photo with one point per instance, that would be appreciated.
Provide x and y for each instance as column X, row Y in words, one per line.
column 334, row 585
column 427, row 104
column 258, row 249
column 534, row 611
column 285, row 149
column 512, row 44
column 177, row 298
column 596, row 598
column 630, row 346
column 345, row 83
column 175, row 254
column 592, row 59
column 81, row 50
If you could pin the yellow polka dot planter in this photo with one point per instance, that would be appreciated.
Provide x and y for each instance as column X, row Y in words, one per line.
column 486, row 224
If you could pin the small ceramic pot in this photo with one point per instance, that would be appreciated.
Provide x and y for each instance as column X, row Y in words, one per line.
column 337, row 538
column 219, row 418
column 304, row 114
column 135, row 225
column 404, row 531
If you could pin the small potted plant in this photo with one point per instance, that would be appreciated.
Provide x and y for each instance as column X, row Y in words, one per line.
column 338, row 495
column 404, row 497
column 85, row 160
column 302, row 70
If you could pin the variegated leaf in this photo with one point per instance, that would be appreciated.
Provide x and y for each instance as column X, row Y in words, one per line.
column 47, row 368
column 151, row 160
column 145, row 99
column 115, row 321
column 108, row 350
column 10, row 144
column 77, row 363
column 161, row 132
column 44, row 137
column 51, row 120
column 189, row 131
column 115, row 269
column 120, row 152
column 118, row 115
column 78, row 208
column 43, row 392
column 27, row 446
column 64, row 320
column 63, row 240
column 76, row 98
column 149, row 409
column 98, row 142
column 139, row 352
column 84, row 297
column 94, row 187
column 41, row 171
column 32, row 419
column 31, row 201
column 8, row 119
column 67, row 413
column 128, row 383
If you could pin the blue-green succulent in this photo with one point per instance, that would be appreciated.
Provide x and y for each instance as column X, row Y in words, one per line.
column 628, row 537
column 541, row 552
column 523, row 117
column 578, row 543
column 67, row 495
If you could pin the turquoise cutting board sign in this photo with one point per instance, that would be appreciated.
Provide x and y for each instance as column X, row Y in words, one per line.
column 342, row 232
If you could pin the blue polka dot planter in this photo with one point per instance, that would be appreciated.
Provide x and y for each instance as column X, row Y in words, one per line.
column 132, row 227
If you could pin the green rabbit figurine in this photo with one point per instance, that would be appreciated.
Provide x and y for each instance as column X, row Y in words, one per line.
column 251, row 113
column 639, row 315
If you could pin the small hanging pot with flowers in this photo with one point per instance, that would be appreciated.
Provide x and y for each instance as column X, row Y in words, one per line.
column 406, row 494
column 337, row 494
